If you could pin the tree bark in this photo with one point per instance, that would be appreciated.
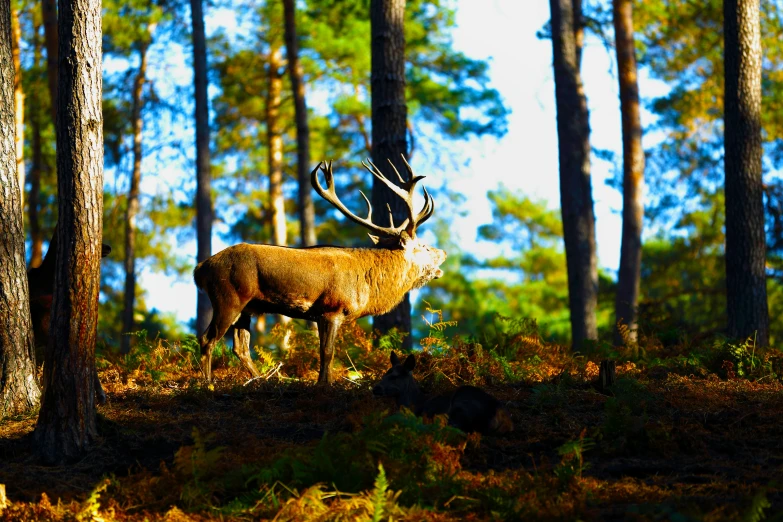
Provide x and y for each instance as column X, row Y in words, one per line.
column 49, row 15
column 16, row 40
column 204, row 214
column 36, row 167
column 18, row 389
column 274, row 138
column 630, row 269
column 275, row 147
column 306, row 208
column 66, row 424
column 389, row 130
column 132, row 208
column 746, row 285
column 576, row 200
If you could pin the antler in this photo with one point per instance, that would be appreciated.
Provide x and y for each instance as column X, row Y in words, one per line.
column 405, row 191
column 408, row 226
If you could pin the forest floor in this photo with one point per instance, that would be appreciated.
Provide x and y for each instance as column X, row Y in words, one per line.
column 690, row 432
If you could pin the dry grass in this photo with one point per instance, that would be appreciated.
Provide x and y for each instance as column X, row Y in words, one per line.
column 674, row 439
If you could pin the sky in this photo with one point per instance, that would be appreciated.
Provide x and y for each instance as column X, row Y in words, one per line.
column 526, row 158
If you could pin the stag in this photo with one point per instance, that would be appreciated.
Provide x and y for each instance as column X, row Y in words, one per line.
column 327, row 284
column 40, row 284
column 469, row 409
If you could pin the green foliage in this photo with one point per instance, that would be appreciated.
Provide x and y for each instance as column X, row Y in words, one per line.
column 195, row 465
column 572, row 463
column 413, row 453
column 90, row 508
column 625, row 416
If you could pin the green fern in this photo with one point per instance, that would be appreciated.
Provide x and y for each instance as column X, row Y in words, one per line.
column 378, row 494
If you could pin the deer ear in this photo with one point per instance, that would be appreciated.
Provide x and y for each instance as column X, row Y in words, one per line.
column 394, row 359
column 410, row 362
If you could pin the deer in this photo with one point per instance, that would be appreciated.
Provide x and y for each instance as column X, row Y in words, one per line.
column 329, row 285
column 40, row 285
column 469, row 409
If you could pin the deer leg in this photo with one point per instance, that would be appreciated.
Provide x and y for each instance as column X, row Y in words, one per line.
column 242, row 344
column 327, row 333
column 217, row 328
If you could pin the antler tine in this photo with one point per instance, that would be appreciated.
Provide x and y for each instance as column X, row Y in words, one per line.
column 427, row 210
column 375, row 171
column 402, row 181
column 330, row 195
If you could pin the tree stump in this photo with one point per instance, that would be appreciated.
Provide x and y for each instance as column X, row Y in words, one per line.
column 606, row 375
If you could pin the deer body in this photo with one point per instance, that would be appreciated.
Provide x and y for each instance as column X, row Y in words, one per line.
column 469, row 408
column 326, row 284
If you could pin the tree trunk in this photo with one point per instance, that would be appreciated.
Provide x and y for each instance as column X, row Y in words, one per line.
column 132, row 209
column 389, row 130
column 746, row 250
column 633, row 174
column 36, row 167
column 576, row 200
column 49, row 15
column 306, row 208
column 16, row 40
column 66, row 424
column 275, row 145
column 204, row 214
column 18, row 389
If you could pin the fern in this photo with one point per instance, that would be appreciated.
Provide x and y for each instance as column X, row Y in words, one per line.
column 378, row 494
column 90, row 508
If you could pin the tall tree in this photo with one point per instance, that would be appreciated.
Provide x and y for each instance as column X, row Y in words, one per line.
column 49, row 12
column 18, row 390
column 204, row 211
column 16, row 41
column 36, row 165
column 633, row 173
column 132, row 209
column 576, row 199
column 746, row 282
column 274, row 138
column 306, row 208
column 274, row 141
column 66, row 424
column 389, row 129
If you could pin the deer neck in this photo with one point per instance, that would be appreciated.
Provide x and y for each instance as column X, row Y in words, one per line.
column 391, row 275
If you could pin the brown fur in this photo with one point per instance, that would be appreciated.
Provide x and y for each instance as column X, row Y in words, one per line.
column 40, row 284
column 469, row 409
column 328, row 285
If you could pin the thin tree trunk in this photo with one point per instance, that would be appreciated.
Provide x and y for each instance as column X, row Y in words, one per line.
column 389, row 129
column 36, row 167
column 49, row 15
column 16, row 40
column 746, row 249
column 66, row 424
column 306, row 208
column 576, row 200
column 18, row 390
column 630, row 269
column 275, row 146
column 204, row 214
column 132, row 209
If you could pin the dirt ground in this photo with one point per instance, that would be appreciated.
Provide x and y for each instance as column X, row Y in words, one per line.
column 659, row 446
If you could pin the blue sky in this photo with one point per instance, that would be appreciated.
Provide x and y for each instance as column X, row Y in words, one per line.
column 525, row 159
